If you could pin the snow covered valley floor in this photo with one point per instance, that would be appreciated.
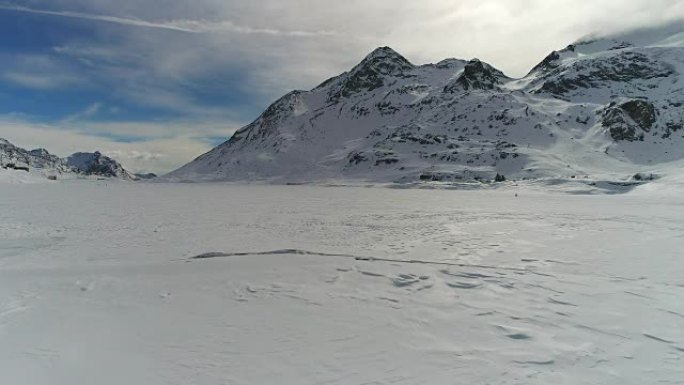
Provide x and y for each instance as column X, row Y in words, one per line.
column 99, row 284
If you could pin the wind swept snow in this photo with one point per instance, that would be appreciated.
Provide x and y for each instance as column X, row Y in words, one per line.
column 120, row 283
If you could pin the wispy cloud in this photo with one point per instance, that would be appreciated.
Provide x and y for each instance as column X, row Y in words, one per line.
column 181, row 25
column 86, row 113
column 38, row 81
column 37, row 72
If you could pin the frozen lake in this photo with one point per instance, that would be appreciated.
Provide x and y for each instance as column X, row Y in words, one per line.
column 338, row 285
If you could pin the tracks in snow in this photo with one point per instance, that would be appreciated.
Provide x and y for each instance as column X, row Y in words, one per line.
column 212, row 255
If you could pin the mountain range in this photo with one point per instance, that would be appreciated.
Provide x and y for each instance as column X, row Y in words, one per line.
column 608, row 107
column 78, row 164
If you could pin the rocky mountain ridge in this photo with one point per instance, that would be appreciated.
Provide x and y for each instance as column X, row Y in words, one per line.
column 40, row 160
column 607, row 107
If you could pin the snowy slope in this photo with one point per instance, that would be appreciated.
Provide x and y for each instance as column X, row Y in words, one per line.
column 606, row 108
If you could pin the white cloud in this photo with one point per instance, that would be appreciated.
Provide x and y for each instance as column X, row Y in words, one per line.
column 150, row 130
column 181, row 25
column 39, row 81
column 88, row 112
column 36, row 71
column 31, row 80
column 297, row 43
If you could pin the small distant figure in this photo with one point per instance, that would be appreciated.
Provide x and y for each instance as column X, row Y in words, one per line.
column 516, row 195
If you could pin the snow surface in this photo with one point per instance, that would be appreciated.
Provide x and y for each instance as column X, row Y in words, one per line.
column 339, row 285
column 10, row 176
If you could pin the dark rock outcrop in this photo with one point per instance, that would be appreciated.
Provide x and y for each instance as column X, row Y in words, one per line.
column 630, row 120
column 476, row 75
column 97, row 164
column 371, row 73
column 625, row 67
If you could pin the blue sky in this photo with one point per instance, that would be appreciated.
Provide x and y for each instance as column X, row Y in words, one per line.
column 56, row 67
column 157, row 83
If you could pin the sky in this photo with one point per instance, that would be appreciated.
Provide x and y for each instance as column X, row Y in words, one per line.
column 157, row 83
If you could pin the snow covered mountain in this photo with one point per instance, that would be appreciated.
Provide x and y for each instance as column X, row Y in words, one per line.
column 13, row 156
column 608, row 107
column 40, row 161
column 94, row 163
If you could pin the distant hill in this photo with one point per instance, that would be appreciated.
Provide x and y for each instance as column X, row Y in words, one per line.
column 41, row 161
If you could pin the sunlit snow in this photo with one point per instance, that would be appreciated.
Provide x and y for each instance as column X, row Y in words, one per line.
column 99, row 284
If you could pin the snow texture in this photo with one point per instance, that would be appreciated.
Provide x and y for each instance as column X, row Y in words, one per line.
column 107, row 282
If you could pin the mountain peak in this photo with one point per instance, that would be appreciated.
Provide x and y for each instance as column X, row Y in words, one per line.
column 387, row 120
column 448, row 63
column 477, row 75
column 94, row 163
column 383, row 52
column 664, row 36
column 383, row 56
column 667, row 35
column 370, row 74
column 551, row 61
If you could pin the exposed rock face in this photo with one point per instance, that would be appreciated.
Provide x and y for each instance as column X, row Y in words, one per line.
column 477, row 76
column 97, row 164
column 619, row 127
column 592, row 106
column 630, row 120
column 33, row 159
column 641, row 112
column 550, row 62
column 624, row 67
column 43, row 159
column 371, row 73
column 145, row 176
